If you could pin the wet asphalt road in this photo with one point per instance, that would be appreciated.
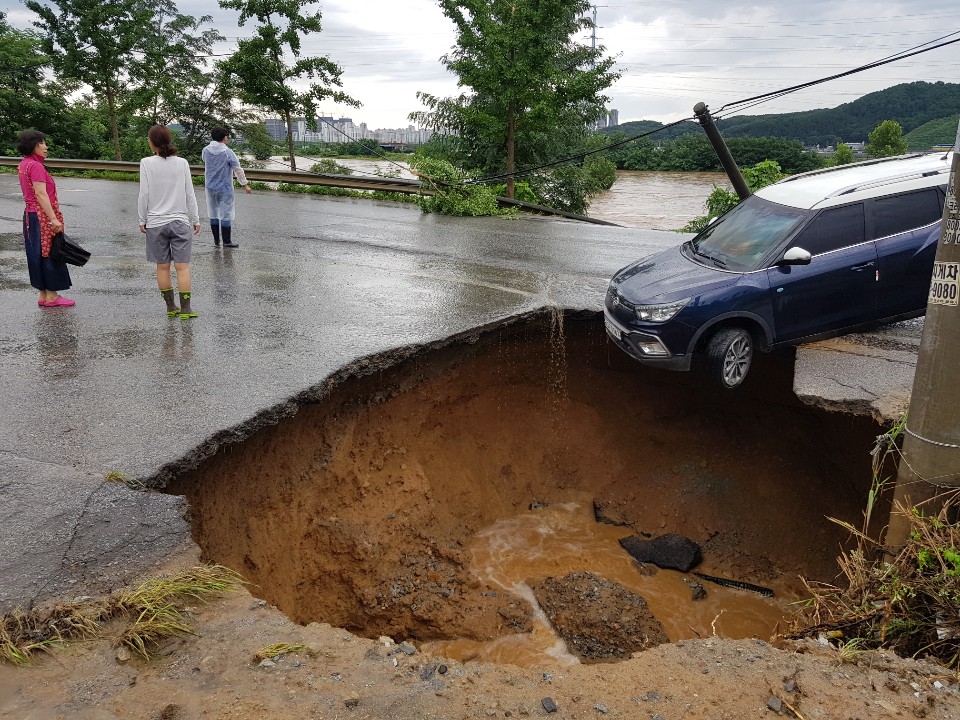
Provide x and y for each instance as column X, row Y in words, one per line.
column 317, row 284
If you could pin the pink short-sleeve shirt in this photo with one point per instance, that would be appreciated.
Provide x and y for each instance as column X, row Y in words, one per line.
column 31, row 170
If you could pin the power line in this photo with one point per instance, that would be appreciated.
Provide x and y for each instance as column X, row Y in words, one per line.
column 746, row 103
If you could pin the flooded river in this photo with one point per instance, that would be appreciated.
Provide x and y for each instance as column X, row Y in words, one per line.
column 656, row 200
column 641, row 199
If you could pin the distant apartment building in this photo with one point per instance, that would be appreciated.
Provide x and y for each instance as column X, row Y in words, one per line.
column 338, row 130
column 611, row 119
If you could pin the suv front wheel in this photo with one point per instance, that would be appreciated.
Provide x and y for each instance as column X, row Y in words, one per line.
column 729, row 353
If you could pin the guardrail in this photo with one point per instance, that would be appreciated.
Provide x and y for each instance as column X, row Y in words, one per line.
column 285, row 176
column 352, row 182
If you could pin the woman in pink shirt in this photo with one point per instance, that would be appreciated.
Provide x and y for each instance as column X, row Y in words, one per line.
column 41, row 221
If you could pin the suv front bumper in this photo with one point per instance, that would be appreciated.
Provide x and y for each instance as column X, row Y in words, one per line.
column 639, row 346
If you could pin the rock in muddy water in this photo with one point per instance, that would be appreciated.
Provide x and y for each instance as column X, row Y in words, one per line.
column 600, row 620
column 608, row 513
column 674, row 552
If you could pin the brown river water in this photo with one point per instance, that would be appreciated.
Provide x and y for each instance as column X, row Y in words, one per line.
column 656, row 200
column 513, row 553
column 640, row 199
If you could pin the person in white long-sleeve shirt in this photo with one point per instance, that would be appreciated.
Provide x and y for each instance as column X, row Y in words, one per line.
column 167, row 208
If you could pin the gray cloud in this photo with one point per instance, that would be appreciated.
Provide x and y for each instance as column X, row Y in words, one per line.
column 672, row 54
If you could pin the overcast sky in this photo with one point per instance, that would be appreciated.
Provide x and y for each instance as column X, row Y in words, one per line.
column 672, row 53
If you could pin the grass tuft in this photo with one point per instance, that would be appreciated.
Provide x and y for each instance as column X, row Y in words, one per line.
column 271, row 651
column 118, row 476
column 156, row 607
column 907, row 601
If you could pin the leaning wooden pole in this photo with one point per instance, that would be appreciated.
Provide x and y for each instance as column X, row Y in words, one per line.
column 702, row 113
column 929, row 470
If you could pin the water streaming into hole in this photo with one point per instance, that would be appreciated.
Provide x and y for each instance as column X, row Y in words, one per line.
column 512, row 554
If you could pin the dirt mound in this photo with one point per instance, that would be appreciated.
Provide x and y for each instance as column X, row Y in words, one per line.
column 598, row 619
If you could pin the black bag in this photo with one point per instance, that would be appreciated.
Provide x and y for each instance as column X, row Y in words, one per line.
column 64, row 250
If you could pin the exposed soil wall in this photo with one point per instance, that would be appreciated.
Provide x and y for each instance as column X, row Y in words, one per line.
column 357, row 510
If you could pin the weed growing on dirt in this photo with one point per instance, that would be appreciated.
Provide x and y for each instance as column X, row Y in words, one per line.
column 156, row 607
column 118, row 476
column 272, row 651
column 908, row 602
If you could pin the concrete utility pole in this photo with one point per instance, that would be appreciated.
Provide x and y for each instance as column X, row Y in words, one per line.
column 723, row 152
column 930, row 465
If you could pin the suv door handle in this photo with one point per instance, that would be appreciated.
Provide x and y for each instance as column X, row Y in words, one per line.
column 865, row 266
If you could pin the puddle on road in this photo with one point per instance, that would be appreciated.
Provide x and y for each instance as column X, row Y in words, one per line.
column 399, row 504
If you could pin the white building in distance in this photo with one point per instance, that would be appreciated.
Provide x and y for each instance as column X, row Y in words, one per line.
column 340, row 130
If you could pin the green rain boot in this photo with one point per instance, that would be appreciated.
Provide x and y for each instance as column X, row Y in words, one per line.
column 185, row 311
column 172, row 309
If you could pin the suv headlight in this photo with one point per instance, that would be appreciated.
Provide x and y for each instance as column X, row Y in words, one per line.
column 659, row 313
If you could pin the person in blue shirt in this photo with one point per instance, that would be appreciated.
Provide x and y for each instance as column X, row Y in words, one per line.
column 220, row 164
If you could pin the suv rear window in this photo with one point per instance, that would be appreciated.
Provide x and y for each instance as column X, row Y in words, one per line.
column 832, row 229
column 899, row 213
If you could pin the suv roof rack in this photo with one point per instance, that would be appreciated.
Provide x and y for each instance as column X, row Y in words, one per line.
column 887, row 181
column 862, row 163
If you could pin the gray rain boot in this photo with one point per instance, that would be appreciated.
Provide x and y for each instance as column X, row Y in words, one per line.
column 185, row 311
column 172, row 309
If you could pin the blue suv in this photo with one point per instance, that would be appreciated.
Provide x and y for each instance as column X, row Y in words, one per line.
column 812, row 256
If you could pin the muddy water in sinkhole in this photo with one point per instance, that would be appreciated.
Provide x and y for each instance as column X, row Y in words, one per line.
column 423, row 495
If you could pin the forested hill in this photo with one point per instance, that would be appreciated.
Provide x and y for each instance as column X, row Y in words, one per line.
column 910, row 104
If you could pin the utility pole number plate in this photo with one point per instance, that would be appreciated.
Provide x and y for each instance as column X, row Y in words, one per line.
column 945, row 287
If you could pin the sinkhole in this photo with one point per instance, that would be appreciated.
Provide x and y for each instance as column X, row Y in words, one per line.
column 442, row 497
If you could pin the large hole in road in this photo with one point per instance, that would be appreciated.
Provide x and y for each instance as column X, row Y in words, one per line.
column 425, row 499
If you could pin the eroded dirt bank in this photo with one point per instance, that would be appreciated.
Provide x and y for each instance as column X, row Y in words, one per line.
column 358, row 511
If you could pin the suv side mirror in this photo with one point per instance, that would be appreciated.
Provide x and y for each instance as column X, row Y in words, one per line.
column 795, row 256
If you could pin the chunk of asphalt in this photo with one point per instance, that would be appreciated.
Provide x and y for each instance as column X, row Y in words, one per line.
column 672, row 552
column 549, row 705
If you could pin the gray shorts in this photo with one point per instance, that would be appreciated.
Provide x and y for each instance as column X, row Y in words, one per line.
column 170, row 242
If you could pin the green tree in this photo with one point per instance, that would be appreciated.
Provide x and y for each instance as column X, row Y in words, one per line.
column 843, row 155
column 886, row 140
column 261, row 76
column 94, row 42
column 173, row 62
column 257, row 140
column 24, row 102
column 29, row 100
column 533, row 89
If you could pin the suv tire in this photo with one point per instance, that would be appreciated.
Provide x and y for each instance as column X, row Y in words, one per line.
column 729, row 353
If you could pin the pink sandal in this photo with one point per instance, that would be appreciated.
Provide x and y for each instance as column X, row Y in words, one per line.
column 59, row 302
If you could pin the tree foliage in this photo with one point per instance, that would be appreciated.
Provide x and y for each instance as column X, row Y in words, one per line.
column 530, row 88
column 694, row 152
column 94, row 42
column 28, row 100
column 886, row 140
column 171, row 63
column 261, row 76
column 843, row 154
column 942, row 131
column 451, row 195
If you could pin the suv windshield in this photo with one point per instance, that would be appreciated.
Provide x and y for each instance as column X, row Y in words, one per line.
column 741, row 238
